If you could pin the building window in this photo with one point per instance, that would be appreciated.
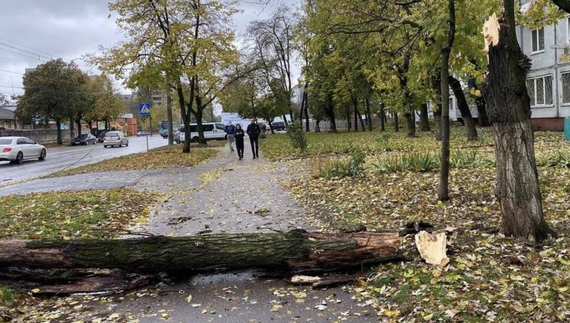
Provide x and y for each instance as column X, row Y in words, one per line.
column 540, row 90
column 537, row 40
column 565, row 87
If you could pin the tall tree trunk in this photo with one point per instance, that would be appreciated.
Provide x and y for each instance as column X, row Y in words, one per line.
column 348, row 122
column 482, row 111
column 396, row 125
column 199, row 126
column 355, row 119
column 424, row 118
column 78, row 127
column 410, row 124
column 361, row 121
column 71, row 129
column 437, row 122
column 509, row 111
column 382, row 119
column 169, row 118
column 443, row 194
column 368, row 114
column 463, row 108
column 317, row 125
column 329, row 109
column 306, row 100
column 58, row 125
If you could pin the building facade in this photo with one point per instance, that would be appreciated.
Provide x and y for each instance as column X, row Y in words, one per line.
column 548, row 81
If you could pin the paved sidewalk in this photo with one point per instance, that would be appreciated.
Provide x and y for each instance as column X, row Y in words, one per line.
column 220, row 195
column 239, row 196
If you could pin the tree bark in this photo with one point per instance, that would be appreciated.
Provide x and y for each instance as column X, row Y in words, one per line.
column 463, row 108
column 169, row 117
column 509, row 111
column 294, row 251
column 411, row 125
column 396, row 125
column 306, row 100
column 355, row 119
column 382, row 119
column 482, row 112
column 329, row 110
column 437, row 123
column 424, row 119
column 361, row 121
column 443, row 193
column 368, row 114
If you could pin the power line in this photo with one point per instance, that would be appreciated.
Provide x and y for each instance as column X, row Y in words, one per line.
column 25, row 51
column 28, row 47
column 13, row 52
column 11, row 72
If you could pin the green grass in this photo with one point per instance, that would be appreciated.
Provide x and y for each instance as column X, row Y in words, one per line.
column 163, row 157
column 66, row 215
column 490, row 277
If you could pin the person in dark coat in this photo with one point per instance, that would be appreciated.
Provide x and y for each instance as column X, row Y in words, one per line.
column 239, row 134
column 253, row 132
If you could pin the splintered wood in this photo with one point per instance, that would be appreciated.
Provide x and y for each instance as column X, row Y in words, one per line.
column 491, row 32
column 432, row 248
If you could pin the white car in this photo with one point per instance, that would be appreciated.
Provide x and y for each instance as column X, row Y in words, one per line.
column 16, row 149
column 212, row 130
column 115, row 138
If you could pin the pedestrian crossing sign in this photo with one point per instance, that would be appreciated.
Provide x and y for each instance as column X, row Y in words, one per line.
column 144, row 109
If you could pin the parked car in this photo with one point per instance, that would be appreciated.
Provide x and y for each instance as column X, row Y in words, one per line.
column 16, row 149
column 115, row 138
column 84, row 139
column 163, row 132
column 101, row 136
column 142, row 133
column 212, row 130
column 278, row 126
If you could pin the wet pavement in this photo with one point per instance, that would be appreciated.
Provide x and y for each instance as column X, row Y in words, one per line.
column 220, row 195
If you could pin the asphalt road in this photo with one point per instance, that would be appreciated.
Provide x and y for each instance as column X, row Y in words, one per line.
column 61, row 158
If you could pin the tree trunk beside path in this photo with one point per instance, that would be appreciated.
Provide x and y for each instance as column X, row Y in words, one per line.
column 294, row 251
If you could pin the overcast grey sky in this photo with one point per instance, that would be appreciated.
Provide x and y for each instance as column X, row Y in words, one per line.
column 35, row 31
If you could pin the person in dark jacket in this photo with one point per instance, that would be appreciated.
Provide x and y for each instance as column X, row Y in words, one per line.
column 253, row 132
column 239, row 134
column 230, row 130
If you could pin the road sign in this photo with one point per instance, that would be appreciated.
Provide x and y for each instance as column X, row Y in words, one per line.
column 144, row 109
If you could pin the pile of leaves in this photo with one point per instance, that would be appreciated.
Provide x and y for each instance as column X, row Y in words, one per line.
column 163, row 157
column 491, row 278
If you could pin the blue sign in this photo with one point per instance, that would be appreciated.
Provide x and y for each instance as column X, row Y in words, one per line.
column 144, row 109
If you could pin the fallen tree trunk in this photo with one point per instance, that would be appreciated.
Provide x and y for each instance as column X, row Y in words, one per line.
column 295, row 251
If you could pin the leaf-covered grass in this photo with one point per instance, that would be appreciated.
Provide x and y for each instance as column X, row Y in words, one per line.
column 66, row 215
column 490, row 277
column 278, row 146
column 163, row 157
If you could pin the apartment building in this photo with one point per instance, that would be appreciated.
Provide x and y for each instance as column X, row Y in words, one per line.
column 548, row 81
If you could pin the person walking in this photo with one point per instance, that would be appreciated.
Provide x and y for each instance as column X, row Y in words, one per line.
column 239, row 140
column 253, row 132
column 230, row 130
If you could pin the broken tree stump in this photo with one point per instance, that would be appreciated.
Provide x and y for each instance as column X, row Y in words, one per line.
column 294, row 251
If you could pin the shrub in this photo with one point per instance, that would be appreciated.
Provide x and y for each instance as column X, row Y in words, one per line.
column 416, row 162
column 389, row 164
column 340, row 167
column 460, row 159
column 423, row 162
column 297, row 136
